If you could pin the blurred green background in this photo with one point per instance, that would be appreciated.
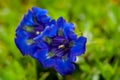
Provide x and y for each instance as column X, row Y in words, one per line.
column 98, row 20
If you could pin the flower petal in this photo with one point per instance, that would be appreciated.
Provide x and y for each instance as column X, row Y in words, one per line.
column 71, row 57
column 41, row 56
column 45, row 19
column 28, row 19
column 24, row 47
column 64, row 67
column 66, row 28
column 41, row 14
column 38, row 11
column 60, row 22
column 42, row 45
column 80, row 46
column 68, row 31
column 50, row 31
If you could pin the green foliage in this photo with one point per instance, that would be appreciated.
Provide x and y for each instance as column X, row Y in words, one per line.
column 98, row 20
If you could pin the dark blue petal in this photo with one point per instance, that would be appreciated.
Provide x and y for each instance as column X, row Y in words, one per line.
column 21, row 33
column 52, row 22
column 50, row 31
column 68, row 31
column 21, row 46
column 72, row 36
column 81, row 40
column 28, row 19
column 71, row 57
column 60, row 22
column 64, row 67
column 45, row 19
column 40, row 14
column 42, row 56
column 42, row 45
column 38, row 38
column 80, row 46
column 24, row 47
column 38, row 11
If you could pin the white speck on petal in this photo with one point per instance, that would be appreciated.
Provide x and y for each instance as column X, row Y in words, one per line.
column 37, row 32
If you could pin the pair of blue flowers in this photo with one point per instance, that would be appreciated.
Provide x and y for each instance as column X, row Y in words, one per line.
column 52, row 42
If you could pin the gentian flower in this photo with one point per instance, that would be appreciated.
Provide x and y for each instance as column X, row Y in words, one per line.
column 61, row 46
column 55, row 46
column 31, row 25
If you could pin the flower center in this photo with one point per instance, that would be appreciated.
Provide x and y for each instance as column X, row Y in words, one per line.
column 61, row 46
column 37, row 32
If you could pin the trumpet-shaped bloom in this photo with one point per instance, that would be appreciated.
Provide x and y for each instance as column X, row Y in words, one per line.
column 32, row 24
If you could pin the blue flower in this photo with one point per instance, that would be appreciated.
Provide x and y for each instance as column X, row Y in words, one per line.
column 61, row 46
column 32, row 24
column 53, row 43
